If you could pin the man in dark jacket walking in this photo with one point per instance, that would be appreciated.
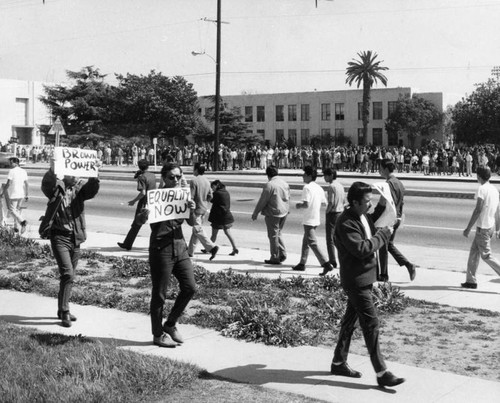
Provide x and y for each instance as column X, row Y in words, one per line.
column 358, row 243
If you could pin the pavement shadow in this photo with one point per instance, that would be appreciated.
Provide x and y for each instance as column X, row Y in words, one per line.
column 257, row 374
column 31, row 320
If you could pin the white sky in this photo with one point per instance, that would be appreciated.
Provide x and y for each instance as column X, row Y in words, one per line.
column 268, row 46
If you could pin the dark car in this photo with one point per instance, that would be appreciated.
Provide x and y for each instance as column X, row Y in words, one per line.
column 4, row 159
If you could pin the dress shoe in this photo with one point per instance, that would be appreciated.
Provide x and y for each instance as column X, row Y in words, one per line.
column 203, row 251
column 272, row 262
column 334, row 264
column 213, row 252
column 173, row 333
column 388, row 379
column 123, row 246
column 299, row 267
column 71, row 317
column 234, row 252
column 66, row 319
column 469, row 285
column 344, row 370
column 411, row 270
column 164, row 341
column 282, row 259
column 327, row 268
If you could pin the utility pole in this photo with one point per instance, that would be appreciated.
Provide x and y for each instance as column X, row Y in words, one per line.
column 217, row 89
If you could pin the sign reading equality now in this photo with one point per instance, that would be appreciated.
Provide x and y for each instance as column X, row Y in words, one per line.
column 168, row 204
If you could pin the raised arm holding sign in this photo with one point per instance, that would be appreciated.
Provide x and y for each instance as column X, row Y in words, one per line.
column 75, row 162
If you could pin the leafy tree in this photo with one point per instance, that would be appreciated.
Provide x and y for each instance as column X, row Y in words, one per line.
column 414, row 117
column 366, row 71
column 84, row 106
column 476, row 119
column 156, row 104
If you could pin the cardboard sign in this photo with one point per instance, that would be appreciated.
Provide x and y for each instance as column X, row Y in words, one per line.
column 167, row 204
column 75, row 162
column 389, row 216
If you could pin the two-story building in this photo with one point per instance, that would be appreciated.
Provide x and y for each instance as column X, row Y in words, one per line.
column 334, row 115
column 21, row 112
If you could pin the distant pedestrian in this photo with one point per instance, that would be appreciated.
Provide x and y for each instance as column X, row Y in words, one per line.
column 274, row 205
column 68, row 232
column 220, row 215
column 486, row 219
column 16, row 190
column 357, row 242
column 313, row 197
column 201, row 193
column 146, row 180
column 397, row 192
column 336, row 200
column 168, row 255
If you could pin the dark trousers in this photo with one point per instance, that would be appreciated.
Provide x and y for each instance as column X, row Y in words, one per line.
column 67, row 255
column 274, row 227
column 164, row 262
column 384, row 256
column 360, row 307
column 331, row 219
column 135, row 227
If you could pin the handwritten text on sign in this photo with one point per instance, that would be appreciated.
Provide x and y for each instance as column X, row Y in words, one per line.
column 168, row 204
column 75, row 162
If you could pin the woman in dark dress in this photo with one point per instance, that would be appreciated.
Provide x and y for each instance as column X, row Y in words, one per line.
column 220, row 215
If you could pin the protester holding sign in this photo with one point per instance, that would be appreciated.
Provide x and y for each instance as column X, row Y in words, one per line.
column 67, row 230
column 168, row 254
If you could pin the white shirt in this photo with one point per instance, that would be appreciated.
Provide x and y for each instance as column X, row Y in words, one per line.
column 490, row 196
column 314, row 195
column 17, row 176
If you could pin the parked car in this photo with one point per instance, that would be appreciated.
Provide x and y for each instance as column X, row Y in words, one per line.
column 4, row 159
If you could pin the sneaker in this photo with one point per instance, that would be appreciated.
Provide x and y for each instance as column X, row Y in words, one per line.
column 344, row 370
column 299, row 267
column 388, row 379
column 472, row 286
column 164, row 341
column 173, row 333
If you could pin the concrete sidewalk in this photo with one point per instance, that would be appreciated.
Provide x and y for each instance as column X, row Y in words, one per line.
column 301, row 370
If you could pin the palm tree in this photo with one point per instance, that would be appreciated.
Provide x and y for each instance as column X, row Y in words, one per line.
column 367, row 71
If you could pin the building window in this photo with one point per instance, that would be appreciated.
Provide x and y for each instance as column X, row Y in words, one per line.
column 261, row 133
column 280, row 114
column 292, row 136
column 339, row 111
column 304, row 137
column 361, row 138
column 339, row 136
column 325, row 136
column 280, row 135
column 325, row 112
column 377, row 111
column 360, row 110
column 377, row 136
column 248, row 113
column 392, row 139
column 304, row 112
column 261, row 113
column 292, row 113
column 391, row 107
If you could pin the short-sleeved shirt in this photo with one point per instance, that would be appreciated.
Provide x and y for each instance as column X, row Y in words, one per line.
column 335, row 195
column 17, row 176
column 489, row 194
column 314, row 195
column 146, row 181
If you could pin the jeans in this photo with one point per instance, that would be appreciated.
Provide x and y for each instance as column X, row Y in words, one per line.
column 360, row 307
column 480, row 248
column 331, row 219
column 274, row 227
column 67, row 255
column 309, row 241
column 199, row 234
column 171, row 259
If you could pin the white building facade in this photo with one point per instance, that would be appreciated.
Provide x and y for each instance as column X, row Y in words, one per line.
column 333, row 115
column 21, row 112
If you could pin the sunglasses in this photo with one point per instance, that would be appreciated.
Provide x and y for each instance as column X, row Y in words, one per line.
column 173, row 177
